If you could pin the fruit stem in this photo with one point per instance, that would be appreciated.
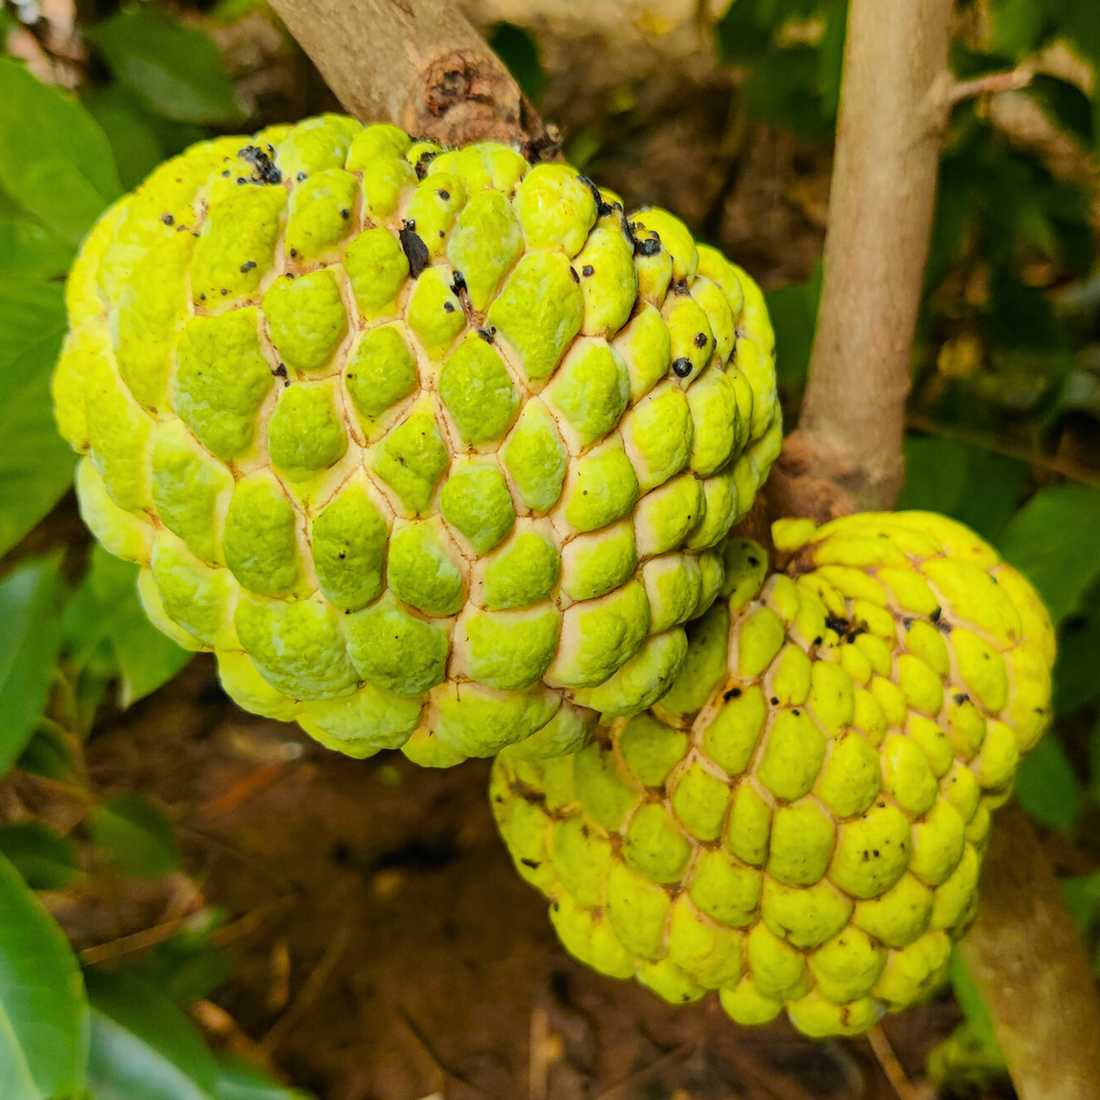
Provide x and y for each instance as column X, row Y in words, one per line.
column 418, row 64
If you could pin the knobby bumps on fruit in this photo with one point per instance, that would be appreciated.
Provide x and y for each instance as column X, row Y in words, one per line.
column 433, row 448
column 799, row 823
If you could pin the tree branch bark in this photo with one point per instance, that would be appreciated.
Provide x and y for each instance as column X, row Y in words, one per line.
column 418, row 64
column 846, row 453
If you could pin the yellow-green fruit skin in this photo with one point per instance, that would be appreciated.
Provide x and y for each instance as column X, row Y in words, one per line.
column 435, row 449
column 799, row 823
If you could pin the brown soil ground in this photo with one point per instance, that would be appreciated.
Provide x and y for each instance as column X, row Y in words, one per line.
column 388, row 951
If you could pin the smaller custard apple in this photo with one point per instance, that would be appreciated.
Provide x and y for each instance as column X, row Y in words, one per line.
column 432, row 448
column 800, row 822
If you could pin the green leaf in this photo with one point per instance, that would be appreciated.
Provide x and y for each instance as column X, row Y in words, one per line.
column 29, row 643
column 793, row 311
column 47, row 754
column 1094, row 759
column 241, row 1080
column 45, row 859
column 1052, row 540
column 143, row 1046
column 138, row 837
column 784, row 90
column 31, row 251
column 1075, row 680
column 54, row 159
column 1047, row 787
column 1082, row 894
column 970, row 1000
column 968, row 483
column 43, row 1010
column 106, row 608
column 137, row 147
column 1017, row 26
column 517, row 49
column 36, row 464
column 187, row 967
column 177, row 71
column 1066, row 104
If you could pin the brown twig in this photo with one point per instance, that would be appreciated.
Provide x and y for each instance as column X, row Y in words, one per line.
column 1011, row 80
column 309, row 992
column 417, row 63
column 677, row 1054
column 883, row 1051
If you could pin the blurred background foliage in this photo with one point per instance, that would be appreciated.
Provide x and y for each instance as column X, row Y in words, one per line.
column 1004, row 419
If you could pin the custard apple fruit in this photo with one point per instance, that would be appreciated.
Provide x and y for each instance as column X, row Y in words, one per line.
column 433, row 448
column 800, row 822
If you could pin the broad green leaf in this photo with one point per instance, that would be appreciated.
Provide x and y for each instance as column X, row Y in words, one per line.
column 1053, row 541
column 1067, row 105
column 793, row 311
column 43, row 1010
column 32, row 316
column 241, row 1080
column 29, row 642
column 36, row 464
column 1094, row 759
column 54, row 159
column 187, row 967
column 45, row 859
column 177, row 71
column 517, row 49
column 1047, row 787
column 31, row 251
column 106, row 609
column 137, row 836
column 1017, row 25
column 970, row 484
column 970, row 1000
column 47, row 754
column 137, row 147
column 143, row 1046
column 1076, row 678
column 1082, row 894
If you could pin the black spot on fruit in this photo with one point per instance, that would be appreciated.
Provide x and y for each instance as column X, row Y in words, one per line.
column 733, row 693
column 167, row 219
column 416, row 251
column 487, row 334
column 263, row 167
column 448, row 307
column 588, row 270
column 422, row 163
column 681, row 367
column 700, row 340
column 247, row 266
column 458, row 283
column 573, row 273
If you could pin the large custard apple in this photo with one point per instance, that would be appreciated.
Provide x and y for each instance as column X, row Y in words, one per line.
column 424, row 444
column 800, row 822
